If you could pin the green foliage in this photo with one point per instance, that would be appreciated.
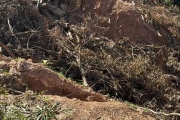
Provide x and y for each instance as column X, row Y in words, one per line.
column 3, row 90
column 169, row 2
column 46, row 63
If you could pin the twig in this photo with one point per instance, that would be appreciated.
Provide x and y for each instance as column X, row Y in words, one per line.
column 78, row 61
column 43, row 49
column 16, row 91
column 11, row 30
column 160, row 113
column 26, row 32
column 7, row 49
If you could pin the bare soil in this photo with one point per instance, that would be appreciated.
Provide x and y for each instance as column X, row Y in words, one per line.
column 74, row 109
column 114, row 110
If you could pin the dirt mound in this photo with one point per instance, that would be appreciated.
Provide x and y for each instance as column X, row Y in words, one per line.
column 39, row 78
column 62, row 108
column 99, row 110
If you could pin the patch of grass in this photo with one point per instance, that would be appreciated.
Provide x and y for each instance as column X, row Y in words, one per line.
column 19, row 59
column 29, row 106
column 46, row 63
column 61, row 74
column 3, row 90
column 5, row 72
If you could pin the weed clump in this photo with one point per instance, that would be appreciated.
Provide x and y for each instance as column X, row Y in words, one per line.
column 28, row 106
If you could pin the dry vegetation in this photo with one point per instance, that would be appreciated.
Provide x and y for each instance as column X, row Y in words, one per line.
column 143, row 74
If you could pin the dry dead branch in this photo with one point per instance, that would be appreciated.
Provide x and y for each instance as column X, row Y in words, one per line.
column 7, row 49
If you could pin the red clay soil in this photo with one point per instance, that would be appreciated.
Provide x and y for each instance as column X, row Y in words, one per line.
column 122, row 21
column 39, row 78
